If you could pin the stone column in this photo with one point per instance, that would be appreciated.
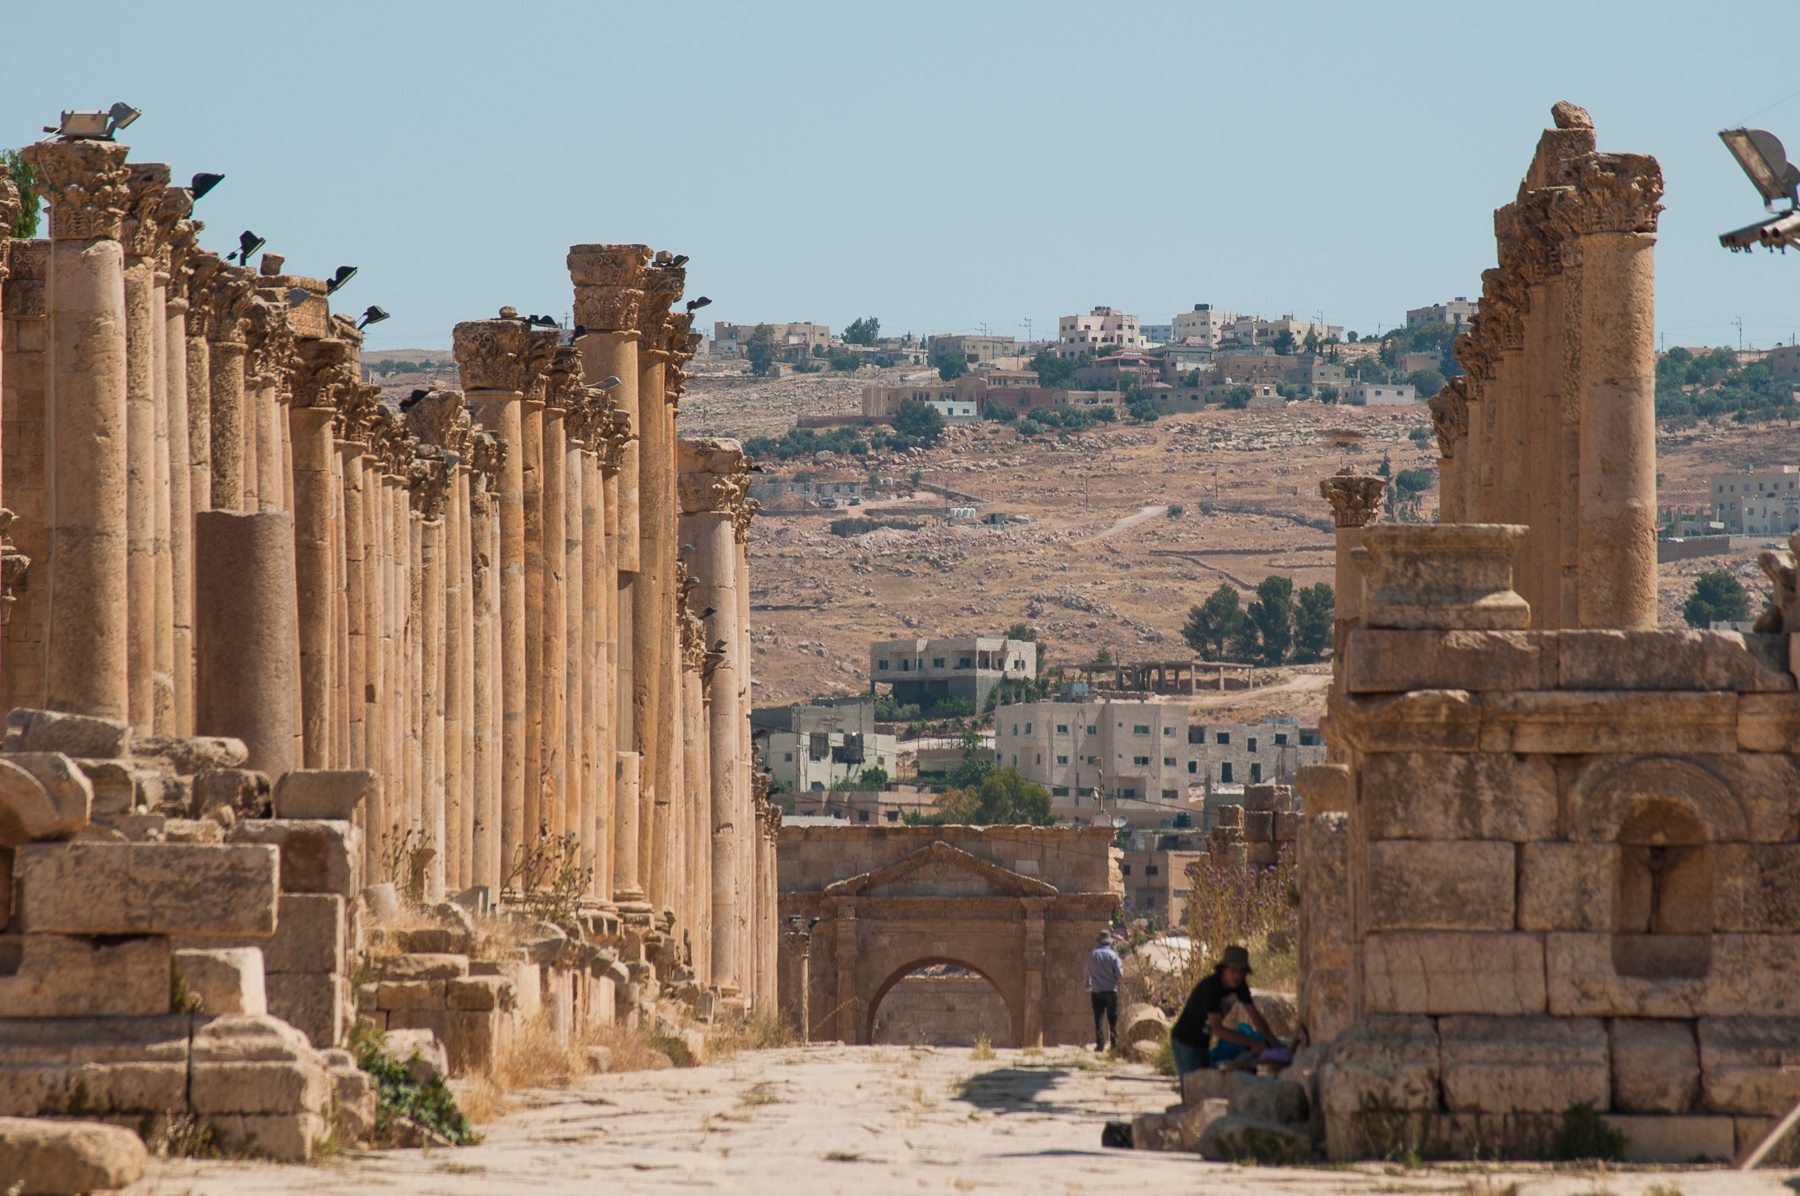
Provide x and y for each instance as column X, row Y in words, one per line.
column 748, row 781
column 430, row 496
column 628, row 892
column 246, row 667
column 560, row 378
column 487, row 354
column 141, row 238
column 712, row 490
column 25, row 386
column 203, row 273
column 356, row 588
column 1610, row 218
column 1355, row 502
column 535, row 353
column 321, row 378
column 697, row 736
column 487, row 463
column 87, row 571
column 227, row 347
column 175, row 455
column 577, row 800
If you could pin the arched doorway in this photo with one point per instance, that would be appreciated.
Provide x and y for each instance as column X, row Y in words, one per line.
column 939, row 1002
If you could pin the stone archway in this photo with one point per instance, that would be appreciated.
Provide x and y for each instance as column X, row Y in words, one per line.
column 934, row 900
column 966, row 1027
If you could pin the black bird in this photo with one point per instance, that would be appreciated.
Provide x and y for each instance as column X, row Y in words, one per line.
column 412, row 400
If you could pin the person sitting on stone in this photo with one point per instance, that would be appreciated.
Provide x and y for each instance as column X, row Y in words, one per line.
column 1200, row 1037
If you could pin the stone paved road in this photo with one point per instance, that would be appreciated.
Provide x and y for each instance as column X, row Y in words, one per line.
column 860, row 1121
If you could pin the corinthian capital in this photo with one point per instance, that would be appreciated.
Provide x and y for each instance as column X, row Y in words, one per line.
column 144, row 227
column 1450, row 414
column 324, row 372
column 487, row 354
column 9, row 215
column 562, row 378
column 1355, row 498
column 609, row 285
column 1609, row 193
column 537, row 354
column 440, row 419
column 85, row 184
column 663, row 286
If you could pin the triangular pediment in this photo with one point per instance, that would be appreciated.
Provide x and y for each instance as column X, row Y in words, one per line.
column 940, row 870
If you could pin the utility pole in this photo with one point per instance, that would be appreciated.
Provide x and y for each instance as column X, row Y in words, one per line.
column 1739, row 321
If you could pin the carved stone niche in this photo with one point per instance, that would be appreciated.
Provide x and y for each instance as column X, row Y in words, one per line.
column 1441, row 576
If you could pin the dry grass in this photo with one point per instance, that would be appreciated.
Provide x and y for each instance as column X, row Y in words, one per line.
column 983, row 1049
column 535, row 1059
column 761, row 1029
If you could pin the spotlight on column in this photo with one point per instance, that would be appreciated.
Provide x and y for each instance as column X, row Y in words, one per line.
column 298, row 295
column 697, row 304
column 541, row 321
column 373, row 316
column 709, row 612
column 248, row 243
column 609, row 383
column 679, row 259
column 1764, row 160
column 344, row 274
column 685, row 549
column 120, row 115
column 579, row 331
column 202, row 183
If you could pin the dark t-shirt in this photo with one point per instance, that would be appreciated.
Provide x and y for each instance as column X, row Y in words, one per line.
column 1194, row 1028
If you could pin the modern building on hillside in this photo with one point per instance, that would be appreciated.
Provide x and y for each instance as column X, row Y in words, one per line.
column 974, row 349
column 1457, row 313
column 1784, row 363
column 1103, row 330
column 1378, row 394
column 1763, row 502
column 811, row 748
column 1248, row 330
column 1205, row 325
column 733, row 338
column 1157, row 334
column 968, row 667
column 1154, row 870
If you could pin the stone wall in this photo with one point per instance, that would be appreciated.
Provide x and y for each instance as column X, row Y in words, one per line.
column 941, row 1010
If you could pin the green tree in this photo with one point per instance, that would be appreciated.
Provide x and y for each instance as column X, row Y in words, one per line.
column 971, row 771
column 953, row 367
column 872, row 779
column 922, row 422
column 1004, row 798
column 1366, row 369
column 1057, row 372
column 1717, row 598
column 864, row 331
column 845, row 360
column 1314, row 608
column 1239, row 396
column 1283, row 343
column 1426, row 382
column 999, row 411
column 761, row 350
column 23, row 175
column 1026, row 633
column 1326, row 394
column 1213, row 624
column 1272, row 614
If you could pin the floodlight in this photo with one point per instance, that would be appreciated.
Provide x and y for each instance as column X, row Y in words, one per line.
column 697, row 304
column 373, row 316
column 298, row 295
column 344, row 274
column 202, row 183
column 609, row 383
column 120, row 115
column 248, row 243
column 541, row 321
column 679, row 259
column 1762, row 157
column 81, row 126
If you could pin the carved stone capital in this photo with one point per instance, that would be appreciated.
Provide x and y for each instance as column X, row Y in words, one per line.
column 1450, row 414
column 487, row 456
column 13, row 566
column 85, row 184
column 663, row 286
column 270, row 337
column 609, row 281
column 741, row 516
column 430, row 476
column 25, row 293
column 10, row 207
column 1609, row 193
column 441, row 420
column 151, row 210
column 1355, row 498
column 487, row 354
column 324, row 372
column 712, row 476
column 537, row 351
column 230, row 294
column 562, row 378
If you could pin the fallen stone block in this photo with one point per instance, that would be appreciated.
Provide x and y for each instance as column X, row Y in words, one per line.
column 316, row 857
column 1155, row 1131
column 1655, row 1065
column 421, row 1051
column 435, row 940
column 71, row 734
column 228, row 980
column 422, row 967
column 1241, row 1139
column 119, row 786
column 311, row 1002
column 1268, row 1098
column 321, row 793
column 146, row 888
column 1191, row 1120
column 30, row 811
column 284, row 1137
column 599, row 1058
column 188, row 756
column 1523, row 1064
column 1208, row 1083
column 60, row 976
column 64, row 1158
column 238, row 789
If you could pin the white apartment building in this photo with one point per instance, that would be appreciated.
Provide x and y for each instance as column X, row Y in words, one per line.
column 732, row 338
column 1457, row 313
column 1204, row 324
column 1764, row 502
column 1103, row 330
column 1157, row 334
column 1248, row 330
column 1378, row 394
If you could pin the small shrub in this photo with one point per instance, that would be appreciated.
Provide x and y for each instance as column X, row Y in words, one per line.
column 549, row 877
column 1584, row 1134
column 983, row 1049
column 1381, row 1124
column 431, row 1104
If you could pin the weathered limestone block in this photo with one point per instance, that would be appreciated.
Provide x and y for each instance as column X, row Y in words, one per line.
column 1191, row 1120
column 30, row 810
column 1749, row 1133
column 1769, row 722
column 1567, row 886
column 1584, row 722
column 313, row 1003
column 1426, row 720
column 1606, row 659
column 1766, row 791
column 1450, row 972
column 119, row 786
column 66, row 1158
column 1231, row 817
column 309, row 937
column 247, row 1038
column 1750, row 1065
column 481, row 993
column 1386, row 1060
column 1259, row 799
column 321, row 793
column 1385, row 661
column 242, row 789
column 1756, row 887
column 264, row 1086
column 1737, row 797
column 1232, row 1138
column 353, row 1093
column 284, row 1137
column 423, row 1053
column 1655, row 1065
column 146, row 888
column 1269, row 1098
column 316, row 856
column 1747, row 974
column 77, row 735
column 1523, row 1064
column 1326, row 1003
column 1453, row 885
column 1326, row 788
column 59, row 976
column 435, row 940
column 471, row 1038
column 1259, row 825
column 410, row 994
column 422, row 967
column 1447, row 575
column 1675, row 1139
column 187, row 756
column 227, row 980
column 1458, row 795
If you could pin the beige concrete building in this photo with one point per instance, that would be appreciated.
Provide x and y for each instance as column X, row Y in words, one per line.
column 1756, row 502
column 1103, row 330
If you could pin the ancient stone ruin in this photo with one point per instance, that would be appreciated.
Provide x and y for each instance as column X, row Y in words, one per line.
column 282, row 657
column 1553, row 861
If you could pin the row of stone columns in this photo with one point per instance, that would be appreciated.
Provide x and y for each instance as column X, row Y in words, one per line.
column 521, row 605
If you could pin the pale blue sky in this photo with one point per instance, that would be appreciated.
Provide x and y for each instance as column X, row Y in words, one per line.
column 935, row 165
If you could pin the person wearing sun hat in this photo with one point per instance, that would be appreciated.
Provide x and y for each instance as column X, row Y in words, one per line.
column 1200, row 1036
column 1104, row 971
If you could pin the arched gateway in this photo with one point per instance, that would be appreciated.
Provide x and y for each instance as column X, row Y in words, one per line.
column 1019, row 905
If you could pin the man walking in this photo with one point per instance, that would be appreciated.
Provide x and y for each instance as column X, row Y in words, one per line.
column 1200, row 1036
column 1104, row 971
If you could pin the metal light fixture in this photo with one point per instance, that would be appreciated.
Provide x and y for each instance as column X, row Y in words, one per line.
column 248, row 243
column 609, row 383
column 120, row 115
column 298, row 295
column 1762, row 157
column 541, row 321
column 81, row 125
column 372, row 316
column 202, row 183
column 344, row 274
column 697, row 304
